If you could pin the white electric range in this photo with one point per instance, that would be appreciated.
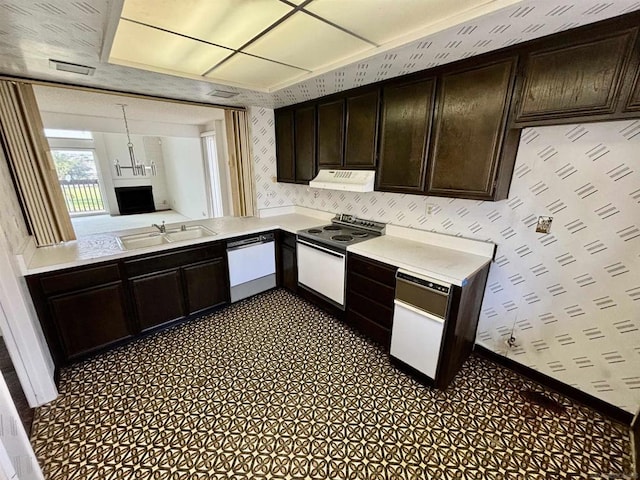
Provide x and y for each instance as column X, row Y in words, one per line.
column 322, row 254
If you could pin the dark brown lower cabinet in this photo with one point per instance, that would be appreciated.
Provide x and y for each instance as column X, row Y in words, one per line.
column 158, row 299
column 90, row 319
column 370, row 293
column 84, row 310
column 287, row 262
column 206, row 285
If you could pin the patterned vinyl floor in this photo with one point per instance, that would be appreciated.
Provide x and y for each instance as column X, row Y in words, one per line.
column 273, row 388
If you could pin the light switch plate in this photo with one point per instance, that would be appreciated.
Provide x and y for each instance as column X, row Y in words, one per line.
column 544, row 224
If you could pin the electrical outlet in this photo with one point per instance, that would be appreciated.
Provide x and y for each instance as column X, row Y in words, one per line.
column 430, row 208
column 544, row 224
column 316, row 194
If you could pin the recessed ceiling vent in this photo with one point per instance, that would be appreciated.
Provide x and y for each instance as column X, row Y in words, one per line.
column 222, row 94
column 71, row 67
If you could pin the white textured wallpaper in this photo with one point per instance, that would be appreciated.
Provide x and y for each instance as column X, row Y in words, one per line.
column 572, row 297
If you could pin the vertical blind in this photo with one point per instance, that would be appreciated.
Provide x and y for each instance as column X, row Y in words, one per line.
column 31, row 163
column 240, row 162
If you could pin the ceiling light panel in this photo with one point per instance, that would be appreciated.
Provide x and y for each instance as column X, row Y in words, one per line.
column 306, row 42
column 254, row 72
column 230, row 23
column 381, row 21
column 160, row 50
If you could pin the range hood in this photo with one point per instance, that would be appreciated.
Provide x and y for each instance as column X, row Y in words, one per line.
column 346, row 180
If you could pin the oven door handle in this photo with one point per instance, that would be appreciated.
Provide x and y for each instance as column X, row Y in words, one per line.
column 322, row 249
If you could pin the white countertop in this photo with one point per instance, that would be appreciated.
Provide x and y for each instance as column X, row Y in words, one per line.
column 415, row 250
column 440, row 263
column 104, row 246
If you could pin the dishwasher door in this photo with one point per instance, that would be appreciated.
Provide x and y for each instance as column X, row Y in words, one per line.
column 416, row 338
column 252, row 269
column 421, row 307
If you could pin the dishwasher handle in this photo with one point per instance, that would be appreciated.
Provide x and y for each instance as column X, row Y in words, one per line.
column 249, row 242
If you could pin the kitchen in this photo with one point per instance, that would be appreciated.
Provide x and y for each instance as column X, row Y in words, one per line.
column 508, row 296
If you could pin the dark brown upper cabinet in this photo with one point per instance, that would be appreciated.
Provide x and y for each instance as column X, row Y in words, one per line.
column 305, row 143
column 633, row 79
column 469, row 132
column 407, row 111
column 634, row 99
column 331, row 134
column 296, row 144
column 285, row 153
column 578, row 81
column 362, row 130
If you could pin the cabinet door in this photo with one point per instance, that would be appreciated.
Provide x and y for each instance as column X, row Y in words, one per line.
column 289, row 268
column 634, row 100
column 405, row 129
column 284, row 145
column 207, row 285
column 91, row 319
column 469, row 129
column 158, row 298
column 305, row 144
column 576, row 80
column 362, row 130
column 330, row 134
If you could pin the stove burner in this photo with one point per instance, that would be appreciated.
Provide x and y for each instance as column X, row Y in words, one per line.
column 315, row 230
column 342, row 238
column 359, row 234
column 332, row 227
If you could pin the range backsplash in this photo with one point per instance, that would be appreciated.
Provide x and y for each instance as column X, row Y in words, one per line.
column 571, row 297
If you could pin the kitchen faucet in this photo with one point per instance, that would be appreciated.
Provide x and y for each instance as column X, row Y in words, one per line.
column 162, row 228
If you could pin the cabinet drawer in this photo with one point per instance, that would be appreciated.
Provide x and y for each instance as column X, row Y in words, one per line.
column 375, row 312
column 380, row 272
column 367, row 287
column 80, row 279
column 174, row 259
column 374, row 331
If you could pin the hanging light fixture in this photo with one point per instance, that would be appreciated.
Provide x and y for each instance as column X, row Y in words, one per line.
column 136, row 168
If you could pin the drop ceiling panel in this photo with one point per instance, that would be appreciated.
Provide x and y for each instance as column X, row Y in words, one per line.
column 306, row 42
column 142, row 45
column 254, row 72
column 230, row 23
column 381, row 22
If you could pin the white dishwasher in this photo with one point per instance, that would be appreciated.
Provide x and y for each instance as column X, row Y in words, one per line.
column 252, row 265
column 420, row 310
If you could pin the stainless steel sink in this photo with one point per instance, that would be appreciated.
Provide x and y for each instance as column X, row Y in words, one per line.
column 141, row 240
column 189, row 233
column 152, row 239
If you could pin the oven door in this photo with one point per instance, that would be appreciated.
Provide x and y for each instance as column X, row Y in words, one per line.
column 321, row 270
